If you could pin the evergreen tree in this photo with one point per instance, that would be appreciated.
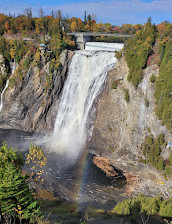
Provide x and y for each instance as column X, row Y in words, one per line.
column 85, row 17
column 89, row 19
column 166, row 208
column 16, row 200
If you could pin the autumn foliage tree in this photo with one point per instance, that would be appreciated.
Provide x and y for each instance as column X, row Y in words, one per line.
column 36, row 158
column 73, row 26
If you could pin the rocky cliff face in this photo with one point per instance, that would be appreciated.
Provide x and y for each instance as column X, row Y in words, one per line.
column 120, row 128
column 28, row 107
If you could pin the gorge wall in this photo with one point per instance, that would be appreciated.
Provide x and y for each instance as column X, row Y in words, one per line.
column 27, row 106
column 120, row 128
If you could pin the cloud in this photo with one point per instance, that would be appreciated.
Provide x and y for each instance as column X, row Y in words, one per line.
column 114, row 11
column 123, row 11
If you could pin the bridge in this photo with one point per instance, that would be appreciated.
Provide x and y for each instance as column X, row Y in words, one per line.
column 82, row 37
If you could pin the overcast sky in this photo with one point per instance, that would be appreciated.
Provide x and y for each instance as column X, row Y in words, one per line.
column 114, row 11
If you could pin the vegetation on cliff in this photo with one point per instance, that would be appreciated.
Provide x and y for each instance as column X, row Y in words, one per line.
column 142, row 207
column 151, row 148
column 137, row 51
column 4, row 52
column 27, row 54
column 163, row 86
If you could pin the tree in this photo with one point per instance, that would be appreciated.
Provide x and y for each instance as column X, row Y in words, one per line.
column 7, row 26
column 13, row 29
column 36, row 158
column 28, row 12
column 52, row 14
column 149, row 21
column 80, row 24
column 23, row 23
column 59, row 15
column 89, row 21
column 1, row 31
column 73, row 26
column 166, row 208
column 16, row 200
column 54, row 27
column 40, row 25
column 85, row 17
column 41, row 13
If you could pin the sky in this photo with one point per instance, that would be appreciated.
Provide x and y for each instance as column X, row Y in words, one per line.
column 116, row 12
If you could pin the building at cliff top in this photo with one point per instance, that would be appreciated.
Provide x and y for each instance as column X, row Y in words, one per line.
column 42, row 47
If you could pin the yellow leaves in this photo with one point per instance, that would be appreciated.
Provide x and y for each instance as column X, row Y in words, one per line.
column 73, row 26
column 164, row 41
column 12, row 52
column 147, row 44
column 37, row 56
column 37, row 159
column 18, row 209
column 148, row 39
column 160, row 182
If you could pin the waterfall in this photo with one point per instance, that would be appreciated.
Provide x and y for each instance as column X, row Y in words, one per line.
column 99, row 46
column 86, row 76
column 6, row 86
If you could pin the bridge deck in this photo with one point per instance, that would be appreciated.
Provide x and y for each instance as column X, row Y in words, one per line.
column 99, row 34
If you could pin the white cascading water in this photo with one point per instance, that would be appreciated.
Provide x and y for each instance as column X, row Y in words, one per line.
column 6, row 86
column 86, row 76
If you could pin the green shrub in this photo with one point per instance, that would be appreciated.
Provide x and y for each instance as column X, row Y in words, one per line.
column 146, row 102
column 161, row 139
column 170, row 158
column 115, row 84
column 49, row 82
column 152, row 151
column 160, row 164
column 127, row 95
column 118, row 54
column 149, row 130
column 152, row 78
column 168, row 171
column 166, row 208
column 26, row 63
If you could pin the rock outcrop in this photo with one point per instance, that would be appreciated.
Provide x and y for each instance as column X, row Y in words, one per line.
column 105, row 165
column 27, row 106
